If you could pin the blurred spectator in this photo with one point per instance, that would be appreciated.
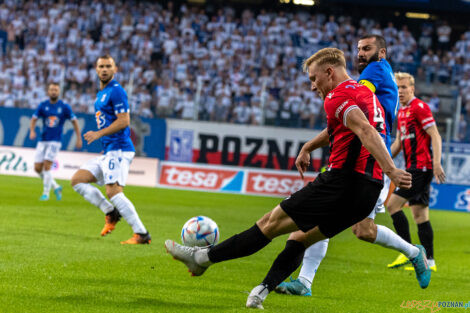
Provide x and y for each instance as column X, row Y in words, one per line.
column 434, row 102
column 443, row 36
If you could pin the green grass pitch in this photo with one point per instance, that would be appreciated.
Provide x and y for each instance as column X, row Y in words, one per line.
column 52, row 259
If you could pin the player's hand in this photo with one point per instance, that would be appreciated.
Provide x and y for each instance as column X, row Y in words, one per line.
column 401, row 178
column 439, row 173
column 91, row 136
column 79, row 143
column 32, row 135
column 302, row 162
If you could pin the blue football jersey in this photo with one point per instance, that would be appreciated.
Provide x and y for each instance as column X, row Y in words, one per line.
column 381, row 75
column 53, row 117
column 111, row 101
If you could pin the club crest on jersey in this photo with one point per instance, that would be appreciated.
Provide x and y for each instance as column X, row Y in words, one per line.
column 52, row 121
column 100, row 119
column 463, row 200
column 330, row 95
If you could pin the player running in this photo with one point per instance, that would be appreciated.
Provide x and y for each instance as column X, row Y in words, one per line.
column 337, row 199
column 416, row 134
column 113, row 120
column 377, row 75
column 53, row 112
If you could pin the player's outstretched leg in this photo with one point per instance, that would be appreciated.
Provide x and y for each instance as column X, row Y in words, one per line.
column 127, row 211
column 240, row 245
column 310, row 263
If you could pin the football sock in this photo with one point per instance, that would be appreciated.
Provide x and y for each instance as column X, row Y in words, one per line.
column 94, row 196
column 128, row 212
column 400, row 222
column 426, row 237
column 312, row 259
column 54, row 184
column 388, row 239
column 286, row 262
column 47, row 180
column 239, row 245
column 260, row 291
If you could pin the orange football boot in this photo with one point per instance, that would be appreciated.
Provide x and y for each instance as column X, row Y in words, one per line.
column 111, row 220
column 138, row 239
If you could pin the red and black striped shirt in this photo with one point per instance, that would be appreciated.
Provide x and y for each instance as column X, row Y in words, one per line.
column 413, row 120
column 346, row 150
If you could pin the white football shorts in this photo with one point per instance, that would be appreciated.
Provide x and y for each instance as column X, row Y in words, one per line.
column 46, row 150
column 110, row 168
column 380, row 205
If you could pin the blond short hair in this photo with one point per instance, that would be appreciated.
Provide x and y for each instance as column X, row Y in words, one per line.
column 403, row 75
column 330, row 56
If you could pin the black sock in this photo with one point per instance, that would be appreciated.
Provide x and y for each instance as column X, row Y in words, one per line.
column 240, row 245
column 426, row 236
column 286, row 262
column 401, row 225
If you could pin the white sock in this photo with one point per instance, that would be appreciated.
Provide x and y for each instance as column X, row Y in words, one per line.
column 201, row 256
column 46, row 181
column 312, row 259
column 54, row 184
column 128, row 212
column 94, row 196
column 388, row 239
column 260, row 291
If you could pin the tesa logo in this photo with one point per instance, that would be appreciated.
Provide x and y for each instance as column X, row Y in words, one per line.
column 274, row 184
column 201, row 178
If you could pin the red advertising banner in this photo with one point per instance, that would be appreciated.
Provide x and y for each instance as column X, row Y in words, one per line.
column 198, row 177
column 275, row 184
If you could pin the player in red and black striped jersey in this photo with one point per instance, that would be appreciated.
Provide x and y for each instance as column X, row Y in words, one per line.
column 335, row 200
column 346, row 150
column 418, row 137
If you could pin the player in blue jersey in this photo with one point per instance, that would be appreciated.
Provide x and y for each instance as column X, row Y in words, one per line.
column 111, row 169
column 53, row 113
column 377, row 75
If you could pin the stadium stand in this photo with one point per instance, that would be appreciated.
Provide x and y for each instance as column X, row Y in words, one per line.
column 239, row 67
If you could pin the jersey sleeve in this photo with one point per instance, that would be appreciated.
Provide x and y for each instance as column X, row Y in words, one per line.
column 339, row 107
column 69, row 113
column 372, row 76
column 38, row 112
column 424, row 115
column 119, row 101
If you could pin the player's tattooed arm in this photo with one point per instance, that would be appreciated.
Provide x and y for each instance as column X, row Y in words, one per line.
column 356, row 121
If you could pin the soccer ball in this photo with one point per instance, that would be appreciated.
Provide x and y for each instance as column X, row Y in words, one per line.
column 200, row 231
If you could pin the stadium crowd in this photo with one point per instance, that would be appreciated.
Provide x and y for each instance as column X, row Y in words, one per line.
column 182, row 62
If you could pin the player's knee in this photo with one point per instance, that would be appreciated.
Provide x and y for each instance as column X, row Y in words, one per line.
column 113, row 190
column 364, row 232
column 38, row 168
